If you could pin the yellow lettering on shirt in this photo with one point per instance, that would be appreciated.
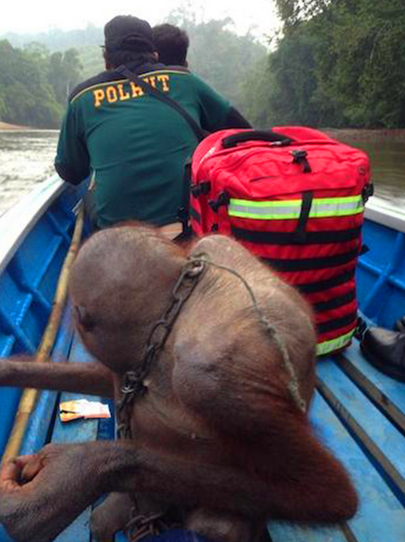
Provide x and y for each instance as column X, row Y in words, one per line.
column 122, row 94
column 164, row 79
column 151, row 81
column 111, row 94
column 117, row 92
column 99, row 96
column 136, row 91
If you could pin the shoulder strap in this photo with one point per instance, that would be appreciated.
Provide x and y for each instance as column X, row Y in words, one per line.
column 156, row 93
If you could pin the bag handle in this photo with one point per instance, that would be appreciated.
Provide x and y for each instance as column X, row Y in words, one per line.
column 255, row 135
column 156, row 93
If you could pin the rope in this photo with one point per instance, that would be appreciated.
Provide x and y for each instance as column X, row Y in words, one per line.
column 293, row 386
column 142, row 525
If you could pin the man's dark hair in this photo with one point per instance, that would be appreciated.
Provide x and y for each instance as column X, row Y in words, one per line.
column 116, row 58
column 171, row 43
column 128, row 39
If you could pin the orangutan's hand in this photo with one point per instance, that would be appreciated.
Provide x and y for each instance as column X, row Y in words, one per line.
column 41, row 494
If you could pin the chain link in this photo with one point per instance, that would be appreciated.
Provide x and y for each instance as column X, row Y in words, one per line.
column 133, row 381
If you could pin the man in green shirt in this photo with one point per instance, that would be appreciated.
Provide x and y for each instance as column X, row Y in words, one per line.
column 135, row 145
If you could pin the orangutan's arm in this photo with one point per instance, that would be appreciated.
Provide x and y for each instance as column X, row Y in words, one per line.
column 89, row 378
column 63, row 480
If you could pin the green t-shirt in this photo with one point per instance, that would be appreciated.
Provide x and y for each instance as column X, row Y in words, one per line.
column 135, row 145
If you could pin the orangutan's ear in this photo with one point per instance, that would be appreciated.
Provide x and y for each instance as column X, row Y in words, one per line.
column 84, row 319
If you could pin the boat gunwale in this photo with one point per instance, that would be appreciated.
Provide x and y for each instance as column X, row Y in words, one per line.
column 17, row 222
column 383, row 212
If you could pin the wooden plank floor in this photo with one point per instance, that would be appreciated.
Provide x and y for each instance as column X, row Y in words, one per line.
column 359, row 414
column 76, row 431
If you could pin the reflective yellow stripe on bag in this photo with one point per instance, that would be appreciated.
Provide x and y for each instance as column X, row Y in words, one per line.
column 291, row 209
column 334, row 344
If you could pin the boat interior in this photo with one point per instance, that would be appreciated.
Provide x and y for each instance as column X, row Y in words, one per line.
column 357, row 411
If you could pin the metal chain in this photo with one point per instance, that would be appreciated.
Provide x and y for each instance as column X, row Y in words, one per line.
column 133, row 381
column 141, row 525
column 133, row 385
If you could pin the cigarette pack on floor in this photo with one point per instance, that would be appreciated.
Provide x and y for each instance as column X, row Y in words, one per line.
column 81, row 408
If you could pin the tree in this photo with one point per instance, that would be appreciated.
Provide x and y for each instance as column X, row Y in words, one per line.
column 361, row 64
column 27, row 97
column 292, row 12
column 64, row 72
column 218, row 55
column 338, row 63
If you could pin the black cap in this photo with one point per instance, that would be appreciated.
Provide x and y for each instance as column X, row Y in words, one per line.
column 125, row 32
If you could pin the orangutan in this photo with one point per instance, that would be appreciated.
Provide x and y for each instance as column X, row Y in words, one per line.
column 218, row 369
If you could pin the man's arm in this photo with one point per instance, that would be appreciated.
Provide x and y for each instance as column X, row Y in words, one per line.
column 72, row 161
column 236, row 120
column 216, row 112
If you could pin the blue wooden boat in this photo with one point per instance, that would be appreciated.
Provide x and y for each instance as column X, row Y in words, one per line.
column 357, row 411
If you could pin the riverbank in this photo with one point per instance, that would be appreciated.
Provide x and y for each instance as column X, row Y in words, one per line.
column 6, row 126
column 361, row 134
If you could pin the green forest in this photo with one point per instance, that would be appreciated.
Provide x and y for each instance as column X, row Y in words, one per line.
column 334, row 63
column 338, row 63
column 34, row 83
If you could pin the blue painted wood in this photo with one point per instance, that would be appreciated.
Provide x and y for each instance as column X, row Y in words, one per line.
column 378, row 505
column 9, row 399
column 42, row 417
column 27, row 284
column 59, row 227
column 381, row 432
column 27, row 287
column 381, row 516
column 76, row 431
column 4, row 536
column 14, row 303
column 381, row 274
column 292, row 532
column 6, row 344
column 40, row 260
column 392, row 389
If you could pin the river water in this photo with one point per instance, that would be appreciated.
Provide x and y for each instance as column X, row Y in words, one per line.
column 26, row 158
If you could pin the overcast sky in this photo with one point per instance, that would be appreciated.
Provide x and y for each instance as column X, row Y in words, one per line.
column 41, row 15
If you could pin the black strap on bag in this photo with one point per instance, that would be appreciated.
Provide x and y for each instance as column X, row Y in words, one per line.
column 300, row 234
column 184, row 210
